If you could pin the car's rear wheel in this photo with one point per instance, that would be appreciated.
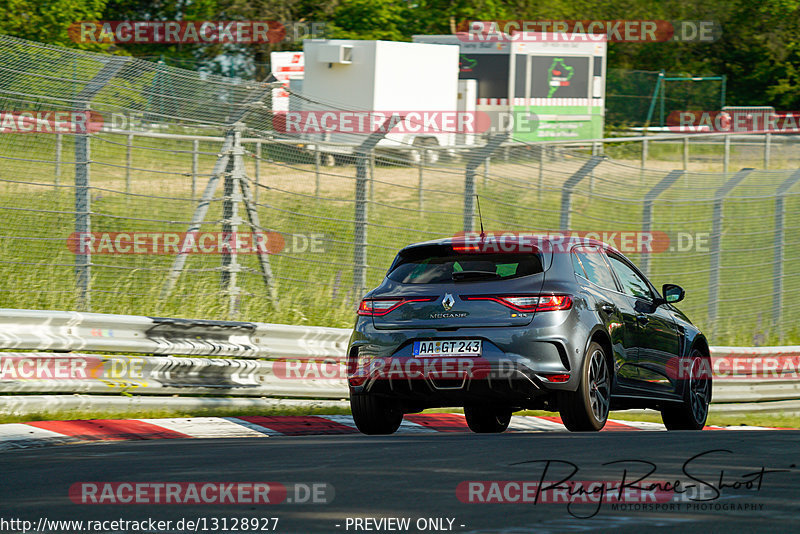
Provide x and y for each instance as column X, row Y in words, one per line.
column 692, row 413
column 487, row 419
column 375, row 415
column 586, row 409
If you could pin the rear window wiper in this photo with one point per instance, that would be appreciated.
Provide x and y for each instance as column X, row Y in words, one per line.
column 463, row 275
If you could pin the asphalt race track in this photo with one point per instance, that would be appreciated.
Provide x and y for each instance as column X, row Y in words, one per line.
column 415, row 476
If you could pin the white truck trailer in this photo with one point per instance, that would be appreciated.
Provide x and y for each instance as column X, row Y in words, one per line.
column 414, row 80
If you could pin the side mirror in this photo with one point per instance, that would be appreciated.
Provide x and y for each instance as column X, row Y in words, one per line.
column 672, row 293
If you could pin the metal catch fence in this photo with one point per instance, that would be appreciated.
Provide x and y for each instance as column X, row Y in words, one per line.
column 180, row 198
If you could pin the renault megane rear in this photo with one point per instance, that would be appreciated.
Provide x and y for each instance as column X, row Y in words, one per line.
column 572, row 327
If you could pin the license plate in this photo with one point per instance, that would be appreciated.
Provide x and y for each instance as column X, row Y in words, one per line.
column 447, row 347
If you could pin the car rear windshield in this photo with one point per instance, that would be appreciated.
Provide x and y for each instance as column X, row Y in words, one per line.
column 435, row 264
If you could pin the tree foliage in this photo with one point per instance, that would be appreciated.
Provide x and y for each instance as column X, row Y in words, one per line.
column 758, row 50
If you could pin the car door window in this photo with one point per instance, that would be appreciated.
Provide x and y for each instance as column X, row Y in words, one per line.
column 594, row 266
column 632, row 283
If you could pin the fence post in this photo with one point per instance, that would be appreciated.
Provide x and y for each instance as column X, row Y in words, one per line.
column 420, row 187
column 257, row 177
column 777, row 268
column 591, row 174
column 82, row 192
column 767, row 149
column 316, row 170
column 726, row 156
column 362, row 153
column 59, row 148
column 475, row 157
column 83, row 259
column 372, row 174
column 647, row 212
column 685, row 153
column 195, row 166
column 128, row 162
column 644, row 153
column 716, row 242
column 569, row 187
column 541, row 170
column 230, row 224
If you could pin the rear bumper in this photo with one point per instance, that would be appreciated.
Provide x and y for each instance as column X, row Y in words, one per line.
column 512, row 388
column 515, row 368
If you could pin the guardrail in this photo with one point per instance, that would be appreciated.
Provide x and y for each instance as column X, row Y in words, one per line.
column 57, row 352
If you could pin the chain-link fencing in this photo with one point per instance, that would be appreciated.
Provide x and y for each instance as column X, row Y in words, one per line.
column 180, row 197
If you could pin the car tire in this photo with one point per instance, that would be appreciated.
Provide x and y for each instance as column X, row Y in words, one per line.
column 375, row 415
column 487, row 419
column 692, row 413
column 586, row 409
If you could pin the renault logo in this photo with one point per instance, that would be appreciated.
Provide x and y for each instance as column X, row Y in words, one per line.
column 448, row 301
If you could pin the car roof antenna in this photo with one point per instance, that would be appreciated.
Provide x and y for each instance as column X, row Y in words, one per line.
column 480, row 217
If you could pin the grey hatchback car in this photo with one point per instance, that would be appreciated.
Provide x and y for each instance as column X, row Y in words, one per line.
column 532, row 323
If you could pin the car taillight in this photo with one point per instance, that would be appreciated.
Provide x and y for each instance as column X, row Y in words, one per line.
column 562, row 377
column 377, row 307
column 530, row 303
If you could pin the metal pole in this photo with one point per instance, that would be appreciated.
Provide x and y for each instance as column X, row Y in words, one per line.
column 469, row 198
column 716, row 242
column 420, row 189
column 257, row 177
column 541, row 170
column 475, row 157
column 779, row 258
column 685, row 153
column 644, row 160
column 230, row 225
column 372, row 175
column 569, row 187
column 360, row 230
column 767, row 149
column 195, row 166
column 726, row 158
column 647, row 213
column 653, row 99
column 316, row 171
column 644, row 153
column 59, row 148
column 83, row 259
column 486, row 171
column 128, row 162
column 362, row 154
